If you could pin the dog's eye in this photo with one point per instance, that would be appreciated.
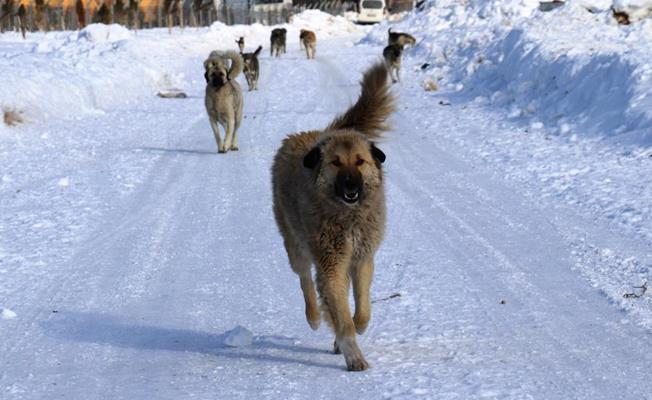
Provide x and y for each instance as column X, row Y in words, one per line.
column 359, row 162
column 337, row 163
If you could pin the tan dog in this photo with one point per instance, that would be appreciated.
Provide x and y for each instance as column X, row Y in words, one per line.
column 392, row 55
column 308, row 40
column 223, row 98
column 401, row 38
column 329, row 204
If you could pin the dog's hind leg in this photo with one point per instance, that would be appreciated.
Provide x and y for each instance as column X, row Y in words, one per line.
column 332, row 279
column 361, row 278
column 216, row 133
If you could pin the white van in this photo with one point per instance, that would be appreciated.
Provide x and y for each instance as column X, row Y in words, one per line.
column 371, row 11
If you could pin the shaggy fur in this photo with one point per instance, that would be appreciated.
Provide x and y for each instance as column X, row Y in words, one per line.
column 392, row 55
column 401, row 38
column 252, row 68
column 329, row 204
column 277, row 41
column 308, row 40
column 223, row 98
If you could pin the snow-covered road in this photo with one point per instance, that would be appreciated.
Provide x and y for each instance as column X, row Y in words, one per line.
column 144, row 247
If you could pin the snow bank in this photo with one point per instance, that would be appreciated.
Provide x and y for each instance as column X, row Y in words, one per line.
column 572, row 70
column 100, row 33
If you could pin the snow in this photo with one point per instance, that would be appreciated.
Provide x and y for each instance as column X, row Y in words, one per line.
column 518, row 216
column 238, row 337
column 6, row 313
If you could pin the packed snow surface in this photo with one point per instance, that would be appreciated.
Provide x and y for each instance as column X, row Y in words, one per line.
column 519, row 215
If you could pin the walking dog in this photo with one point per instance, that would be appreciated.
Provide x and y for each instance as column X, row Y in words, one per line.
column 392, row 55
column 223, row 99
column 251, row 68
column 277, row 41
column 401, row 38
column 329, row 205
column 309, row 41
column 241, row 44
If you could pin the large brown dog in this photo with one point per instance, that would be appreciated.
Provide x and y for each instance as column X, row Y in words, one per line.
column 308, row 40
column 329, row 204
column 223, row 97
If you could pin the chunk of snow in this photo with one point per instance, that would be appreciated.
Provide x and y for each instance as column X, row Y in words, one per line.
column 64, row 182
column 6, row 313
column 238, row 337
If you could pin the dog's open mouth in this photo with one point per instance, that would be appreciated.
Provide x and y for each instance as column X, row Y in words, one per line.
column 351, row 198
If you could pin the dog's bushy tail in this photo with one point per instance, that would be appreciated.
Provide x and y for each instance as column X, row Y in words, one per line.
column 369, row 114
column 236, row 63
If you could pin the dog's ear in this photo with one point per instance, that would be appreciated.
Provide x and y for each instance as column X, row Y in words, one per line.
column 312, row 158
column 377, row 154
column 206, row 76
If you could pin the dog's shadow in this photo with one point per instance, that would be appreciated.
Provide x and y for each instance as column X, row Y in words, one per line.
column 109, row 330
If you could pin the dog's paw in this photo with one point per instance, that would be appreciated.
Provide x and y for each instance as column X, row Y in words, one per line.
column 357, row 364
column 234, row 148
column 221, row 151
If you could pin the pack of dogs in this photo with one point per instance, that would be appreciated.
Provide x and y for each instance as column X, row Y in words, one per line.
column 327, row 185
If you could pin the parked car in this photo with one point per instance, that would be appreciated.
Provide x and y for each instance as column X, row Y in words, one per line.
column 371, row 11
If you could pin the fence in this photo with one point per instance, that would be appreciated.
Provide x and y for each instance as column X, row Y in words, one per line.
column 39, row 15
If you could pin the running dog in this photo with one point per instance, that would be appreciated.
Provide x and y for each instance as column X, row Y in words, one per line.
column 308, row 40
column 251, row 68
column 392, row 55
column 277, row 41
column 329, row 205
column 241, row 44
column 223, row 98
column 400, row 38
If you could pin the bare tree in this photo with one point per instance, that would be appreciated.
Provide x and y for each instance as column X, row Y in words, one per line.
column 22, row 19
column 195, row 13
column 40, row 9
column 7, row 15
column 173, row 8
column 119, row 12
column 103, row 15
column 134, row 19
column 81, row 14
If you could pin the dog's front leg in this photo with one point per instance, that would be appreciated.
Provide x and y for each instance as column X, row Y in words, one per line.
column 216, row 133
column 361, row 278
column 332, row 280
